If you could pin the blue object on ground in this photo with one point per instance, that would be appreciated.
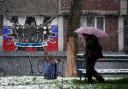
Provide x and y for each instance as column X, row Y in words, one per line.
column 50, row 70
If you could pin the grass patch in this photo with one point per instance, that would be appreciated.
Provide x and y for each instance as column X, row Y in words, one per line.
column 74, row 83
column 120, row 81
column 108, row 84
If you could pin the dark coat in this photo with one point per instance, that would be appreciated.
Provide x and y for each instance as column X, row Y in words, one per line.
column 93, row 48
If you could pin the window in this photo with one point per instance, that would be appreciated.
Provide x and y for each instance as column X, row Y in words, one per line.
column 93, row 21
column 82, row 21
column 100, row 23
column 90, row 21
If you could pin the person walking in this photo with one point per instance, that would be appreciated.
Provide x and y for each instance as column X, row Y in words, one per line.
column 93, row 52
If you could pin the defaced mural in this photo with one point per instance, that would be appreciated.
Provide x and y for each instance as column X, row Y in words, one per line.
column 30, row 36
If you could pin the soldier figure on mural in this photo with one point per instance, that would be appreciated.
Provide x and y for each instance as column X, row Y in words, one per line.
column 40, row 34
column 26, row 33
column 32, row 31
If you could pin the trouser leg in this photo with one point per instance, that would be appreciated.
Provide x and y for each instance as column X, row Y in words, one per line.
column 92, row 72
column 90, row 69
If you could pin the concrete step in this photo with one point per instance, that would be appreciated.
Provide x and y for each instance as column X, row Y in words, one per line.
column 82, row 72
column 109, row 55
column 108, row 71
column 110, row 61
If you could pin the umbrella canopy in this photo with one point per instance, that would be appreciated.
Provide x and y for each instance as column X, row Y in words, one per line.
column 91, row 31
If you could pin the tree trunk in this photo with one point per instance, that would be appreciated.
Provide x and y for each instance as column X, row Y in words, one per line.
column 71, row 70
column 74, row 23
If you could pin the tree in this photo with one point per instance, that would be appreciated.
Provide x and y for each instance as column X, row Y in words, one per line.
column 74, row 22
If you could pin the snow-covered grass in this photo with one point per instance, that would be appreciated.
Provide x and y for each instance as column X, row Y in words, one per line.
column 38, row 82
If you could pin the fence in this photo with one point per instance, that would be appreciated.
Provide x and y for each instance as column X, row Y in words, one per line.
column 19, row 63
column 24, row 63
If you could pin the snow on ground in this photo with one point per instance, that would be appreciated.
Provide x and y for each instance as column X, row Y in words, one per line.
column 38, row 82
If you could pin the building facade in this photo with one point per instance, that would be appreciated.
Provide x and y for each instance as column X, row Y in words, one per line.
column 107, row 15
column 16, row 15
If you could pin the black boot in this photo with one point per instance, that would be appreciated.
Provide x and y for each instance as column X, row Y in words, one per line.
column 89, row 81
column 100, row 79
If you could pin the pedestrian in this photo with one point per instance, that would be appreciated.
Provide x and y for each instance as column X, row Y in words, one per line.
column 93, row 52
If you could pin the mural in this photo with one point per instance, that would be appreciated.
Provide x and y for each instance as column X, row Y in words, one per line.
column 30, row 36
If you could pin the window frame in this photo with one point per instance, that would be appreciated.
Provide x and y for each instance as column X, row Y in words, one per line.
column 84, row 23
column 96, row 17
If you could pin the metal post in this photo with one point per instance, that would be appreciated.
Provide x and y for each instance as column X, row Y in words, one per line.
column 31, row 72
column 62, row 73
